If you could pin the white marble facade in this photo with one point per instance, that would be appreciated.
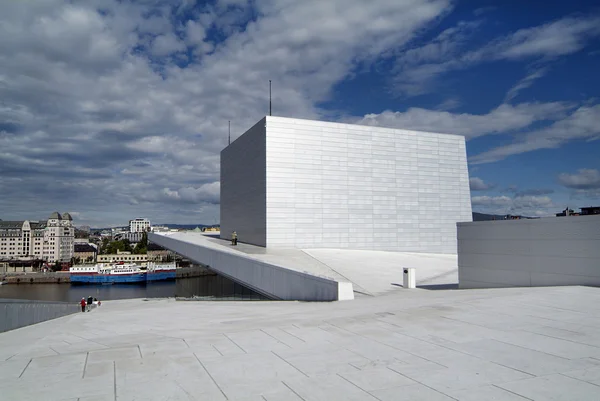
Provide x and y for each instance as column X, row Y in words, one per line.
column 311, row 184
column 529, row 253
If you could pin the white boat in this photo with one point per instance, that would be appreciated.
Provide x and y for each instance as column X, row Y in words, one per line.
column 108, row 273
column 161, row 271
column 111, row 273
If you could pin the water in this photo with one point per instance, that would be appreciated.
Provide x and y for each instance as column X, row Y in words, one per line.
column 215, row 287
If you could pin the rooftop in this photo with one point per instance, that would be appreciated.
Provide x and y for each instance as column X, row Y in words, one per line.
column 503, row 344
column 154, row 247
column 56, row 216
column 84, row 248
column 370, row 272
column 34, row 225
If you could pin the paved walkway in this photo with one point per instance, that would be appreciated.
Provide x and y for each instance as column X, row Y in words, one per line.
column 500, row 344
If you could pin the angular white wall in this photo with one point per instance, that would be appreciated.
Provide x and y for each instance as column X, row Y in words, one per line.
column 243, row 187
column 335, row 185
column 529, row 253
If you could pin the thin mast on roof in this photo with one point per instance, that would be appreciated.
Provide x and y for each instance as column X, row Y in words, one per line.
column 229, row 138
column 270, row 107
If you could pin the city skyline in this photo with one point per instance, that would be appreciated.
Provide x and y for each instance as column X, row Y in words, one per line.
column 115, row 110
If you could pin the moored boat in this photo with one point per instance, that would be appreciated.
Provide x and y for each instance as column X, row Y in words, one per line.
column 107, row 274
column 161, row 271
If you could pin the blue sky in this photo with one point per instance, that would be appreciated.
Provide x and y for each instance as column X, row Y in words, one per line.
column 116, row 109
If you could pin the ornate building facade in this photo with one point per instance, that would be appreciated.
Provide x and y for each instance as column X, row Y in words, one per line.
column 50, row 240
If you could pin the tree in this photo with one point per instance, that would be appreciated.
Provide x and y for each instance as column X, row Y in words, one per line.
column 142, row 246
column 105, row 243
column 56, row 266
column 112, row 247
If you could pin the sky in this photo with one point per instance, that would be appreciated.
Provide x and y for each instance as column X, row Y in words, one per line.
column 112, row 110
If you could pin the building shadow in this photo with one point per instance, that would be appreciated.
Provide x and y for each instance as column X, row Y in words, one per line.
column 439, row 287
column 432, row 286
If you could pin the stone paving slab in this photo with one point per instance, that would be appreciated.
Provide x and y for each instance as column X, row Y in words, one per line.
column 500, row 344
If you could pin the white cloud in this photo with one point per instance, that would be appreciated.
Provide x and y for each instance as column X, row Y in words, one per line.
column 503, row 201
column 484, row 10
column 90, row 122
column 582, row 124
column 557, row 38
column 477, row 184
column 419, row 68
column 416, row 68
column 227, row 3
column 96, row 125
column 560, row 122
column 164, row 45
column 533, row 191
column 195, row 33
column 449, row 104
column 584, row 179
column 504, row 118
column 525, row 83
column 526, row 205
column 204, row 193
column 532, row 202
column 155, row 25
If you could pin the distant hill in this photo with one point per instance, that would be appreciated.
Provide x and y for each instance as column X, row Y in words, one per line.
column 177, row 226
column 187, row 226
column 487, row 217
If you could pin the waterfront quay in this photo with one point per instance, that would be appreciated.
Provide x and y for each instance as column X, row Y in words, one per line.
column 64, row 277
column 494, row 344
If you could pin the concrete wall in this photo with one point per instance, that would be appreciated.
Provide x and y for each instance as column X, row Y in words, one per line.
column 243, row 187
column 36, row 278
column 544, row 252
column 272, row 281
column 348, row 186
column 15, row 313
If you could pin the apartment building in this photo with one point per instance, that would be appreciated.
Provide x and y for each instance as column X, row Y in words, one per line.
column 126, row 257
column 85, row 253
column 51, row 240
column 139, row 225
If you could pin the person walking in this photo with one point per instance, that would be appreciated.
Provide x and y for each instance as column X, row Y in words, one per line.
column 234, row 238
column 89, row 303
column 82, row 303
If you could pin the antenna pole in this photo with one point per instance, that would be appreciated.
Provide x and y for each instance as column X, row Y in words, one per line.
column 270, row 105
column 229, row 138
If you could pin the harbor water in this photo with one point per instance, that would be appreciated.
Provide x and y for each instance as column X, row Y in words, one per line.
column 210, row 288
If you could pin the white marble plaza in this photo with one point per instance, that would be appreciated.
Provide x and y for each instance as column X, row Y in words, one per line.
column 293, row 183
column 468, row 345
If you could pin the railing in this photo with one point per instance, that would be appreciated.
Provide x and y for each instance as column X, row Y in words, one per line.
column 15, row 313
